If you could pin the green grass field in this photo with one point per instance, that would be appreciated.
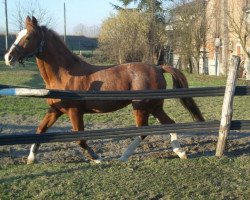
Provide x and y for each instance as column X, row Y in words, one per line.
column 197, row 178
column 203, row 178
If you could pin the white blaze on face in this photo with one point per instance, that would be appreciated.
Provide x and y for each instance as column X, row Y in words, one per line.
column 20, row 35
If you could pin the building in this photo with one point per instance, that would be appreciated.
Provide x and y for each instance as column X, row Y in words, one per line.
column 227, row 29
column 227, row 34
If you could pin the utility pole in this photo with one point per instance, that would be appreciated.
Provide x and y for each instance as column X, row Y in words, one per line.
column 7, row 29
column 225, row 36
column 151, row 32
column 64, row 10
column 204, row 37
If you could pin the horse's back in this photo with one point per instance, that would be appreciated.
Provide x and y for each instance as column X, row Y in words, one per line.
column 129, row 76
column 144, row 77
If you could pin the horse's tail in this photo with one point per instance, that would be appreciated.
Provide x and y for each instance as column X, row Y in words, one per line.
column 180, row 81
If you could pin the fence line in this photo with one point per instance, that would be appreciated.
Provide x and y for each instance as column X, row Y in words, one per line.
column 6, row 90
column 194, row 127
column 121, row 95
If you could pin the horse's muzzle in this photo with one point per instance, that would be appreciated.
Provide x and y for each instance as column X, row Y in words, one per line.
column 10, row 59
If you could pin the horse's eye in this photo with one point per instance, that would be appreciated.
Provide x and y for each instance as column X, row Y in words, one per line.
column 27, row 38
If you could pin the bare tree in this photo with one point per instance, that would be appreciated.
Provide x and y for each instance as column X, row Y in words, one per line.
column 189, row 24
column 239, row 27
column 31, row 8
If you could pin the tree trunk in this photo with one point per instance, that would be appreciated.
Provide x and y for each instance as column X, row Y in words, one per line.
column 119, row 56
column 191, row 66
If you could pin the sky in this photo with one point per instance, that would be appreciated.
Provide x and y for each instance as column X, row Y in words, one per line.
column 87, row 12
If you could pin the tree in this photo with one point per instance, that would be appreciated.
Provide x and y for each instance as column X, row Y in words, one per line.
column 30, row 8
column 239, row 27
column 124, row 37
column 156, row 25
column 124, row 3
column 189, row 27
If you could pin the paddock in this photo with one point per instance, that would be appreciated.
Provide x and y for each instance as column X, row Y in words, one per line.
column 210, row 128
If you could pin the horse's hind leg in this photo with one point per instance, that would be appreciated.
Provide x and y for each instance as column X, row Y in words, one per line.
column 165, row 119
column 76, row 119
column 48, row 120
column 141, row 119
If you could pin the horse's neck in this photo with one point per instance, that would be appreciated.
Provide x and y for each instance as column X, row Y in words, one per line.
column 57, row 65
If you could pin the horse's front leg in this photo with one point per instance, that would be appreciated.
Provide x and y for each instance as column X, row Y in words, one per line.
column 49, row 119
column 76, row 118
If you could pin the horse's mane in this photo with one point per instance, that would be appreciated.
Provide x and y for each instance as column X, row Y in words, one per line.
column 54, row 36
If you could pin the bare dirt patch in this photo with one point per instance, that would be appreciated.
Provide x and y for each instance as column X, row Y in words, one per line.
column 110, row 149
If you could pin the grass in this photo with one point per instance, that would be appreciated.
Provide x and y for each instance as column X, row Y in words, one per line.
column 198, row 178
column 206, row 178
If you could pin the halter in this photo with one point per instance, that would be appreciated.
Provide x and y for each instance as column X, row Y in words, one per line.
column 36, row 52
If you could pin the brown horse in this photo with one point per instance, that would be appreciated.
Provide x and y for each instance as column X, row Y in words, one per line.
column 60, row 69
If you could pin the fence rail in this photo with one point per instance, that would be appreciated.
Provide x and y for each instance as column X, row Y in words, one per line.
column 195, row 127
column 231, row 90
column 121, row 95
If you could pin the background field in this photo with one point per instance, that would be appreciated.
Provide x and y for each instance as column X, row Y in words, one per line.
column 157, row 174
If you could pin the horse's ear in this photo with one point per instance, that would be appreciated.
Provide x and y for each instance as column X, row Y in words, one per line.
column 31, row 23
column 34, row 21
column 27, row 21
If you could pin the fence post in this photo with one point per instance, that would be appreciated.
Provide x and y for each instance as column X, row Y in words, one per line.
column 227, row 107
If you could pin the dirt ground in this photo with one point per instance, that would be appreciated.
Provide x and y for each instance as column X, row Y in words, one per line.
column 111, row 149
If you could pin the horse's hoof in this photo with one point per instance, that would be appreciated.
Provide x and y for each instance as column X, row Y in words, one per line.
column 184, row 156
column 29, row 162
column 97, row 161
column 31, row 159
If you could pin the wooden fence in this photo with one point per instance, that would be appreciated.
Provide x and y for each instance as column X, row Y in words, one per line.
column 223, row 127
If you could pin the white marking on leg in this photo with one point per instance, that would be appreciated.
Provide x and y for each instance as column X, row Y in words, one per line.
column 130, row 150
column 98, row 160
column 33, row 152
column 177, row 147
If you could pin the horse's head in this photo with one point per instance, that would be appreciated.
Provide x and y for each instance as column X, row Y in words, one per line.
column 29, row 42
